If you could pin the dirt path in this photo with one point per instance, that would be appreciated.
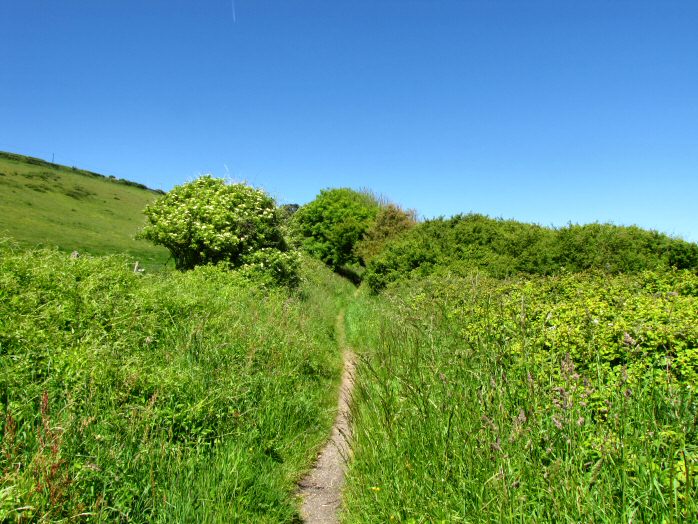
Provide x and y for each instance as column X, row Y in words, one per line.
column 321, row 488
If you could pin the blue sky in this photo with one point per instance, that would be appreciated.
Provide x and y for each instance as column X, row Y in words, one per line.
column 543, row 111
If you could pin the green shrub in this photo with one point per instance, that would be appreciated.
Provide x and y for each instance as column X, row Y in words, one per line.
column 502, row 248
column 273, row 267
column 330, row 226
column 390, row 223
column 208, row 221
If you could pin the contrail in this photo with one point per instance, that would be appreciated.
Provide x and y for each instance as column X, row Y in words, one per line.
column 232, row 7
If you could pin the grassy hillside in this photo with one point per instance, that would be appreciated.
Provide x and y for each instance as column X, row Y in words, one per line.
column 47, row 204
column 508, row 372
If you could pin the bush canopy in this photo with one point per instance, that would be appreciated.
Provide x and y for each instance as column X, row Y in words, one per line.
column 502, row 248
column 330, row 226
column 208, row 221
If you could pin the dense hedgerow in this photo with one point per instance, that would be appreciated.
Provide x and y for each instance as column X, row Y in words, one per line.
column 172, row 397
column 553, row 399
column 209, row 221
column 502, row 248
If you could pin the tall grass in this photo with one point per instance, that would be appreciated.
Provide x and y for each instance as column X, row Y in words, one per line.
column 469, row 405
column 174, row 397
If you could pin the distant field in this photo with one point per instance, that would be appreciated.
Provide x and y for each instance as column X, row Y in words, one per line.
column 51, row 205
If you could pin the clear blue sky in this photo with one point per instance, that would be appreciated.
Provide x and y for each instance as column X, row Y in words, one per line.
column 542, row 111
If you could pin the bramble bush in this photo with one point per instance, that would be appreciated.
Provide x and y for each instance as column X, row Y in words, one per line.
column 209, row 221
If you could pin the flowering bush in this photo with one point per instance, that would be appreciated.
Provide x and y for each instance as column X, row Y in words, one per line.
column 273, row 267
column 209, row 221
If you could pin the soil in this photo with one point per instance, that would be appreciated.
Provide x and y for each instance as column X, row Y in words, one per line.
column 321, row 488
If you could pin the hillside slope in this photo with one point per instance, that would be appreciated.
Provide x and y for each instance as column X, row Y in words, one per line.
column 48, row 204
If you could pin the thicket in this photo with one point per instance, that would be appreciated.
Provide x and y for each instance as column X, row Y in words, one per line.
column 330, row 226
column 390, row 222
column 169, row 397
column 553, row 399
column 209, row 221
column 502, row 248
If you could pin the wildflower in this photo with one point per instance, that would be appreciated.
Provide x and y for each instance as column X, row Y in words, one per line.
column 375, row 489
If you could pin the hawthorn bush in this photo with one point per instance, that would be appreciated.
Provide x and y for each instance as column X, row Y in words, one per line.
column 210, row 221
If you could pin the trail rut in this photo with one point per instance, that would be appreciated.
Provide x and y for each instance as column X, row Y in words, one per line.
column 321, row 488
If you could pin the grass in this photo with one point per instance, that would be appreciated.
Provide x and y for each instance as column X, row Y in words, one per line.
column 469, row 406
column 165, row 397
column 44, row 204
column 204, row 396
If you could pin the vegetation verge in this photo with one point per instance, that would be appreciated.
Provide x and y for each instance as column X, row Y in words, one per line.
column 170, row 397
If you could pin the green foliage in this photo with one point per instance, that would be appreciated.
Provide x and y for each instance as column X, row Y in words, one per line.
column 208, row 221
column 330, row 226
column 272, row 267
column 52, row 205
column 502, row 248
column 168, row 397
column 287, row 211
column 390, row 223
column 552, row 399
column 621, row 249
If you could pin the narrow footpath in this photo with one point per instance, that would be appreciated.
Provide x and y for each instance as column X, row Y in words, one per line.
column 321, row 488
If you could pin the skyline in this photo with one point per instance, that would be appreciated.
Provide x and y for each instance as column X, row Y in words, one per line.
column 545, row 112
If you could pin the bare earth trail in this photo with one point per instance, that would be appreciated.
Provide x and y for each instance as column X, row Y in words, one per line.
column 321, row 488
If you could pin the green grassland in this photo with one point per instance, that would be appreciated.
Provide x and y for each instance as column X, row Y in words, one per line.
column 51, row 205
column 507, row 372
